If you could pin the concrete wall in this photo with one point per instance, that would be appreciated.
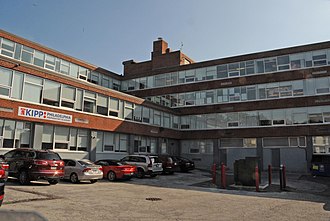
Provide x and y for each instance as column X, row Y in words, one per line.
column 237, row 154
column 202, row 161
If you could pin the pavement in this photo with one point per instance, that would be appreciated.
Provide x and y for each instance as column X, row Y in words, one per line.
column 182, row 196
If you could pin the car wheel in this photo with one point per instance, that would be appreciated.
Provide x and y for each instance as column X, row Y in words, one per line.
column 23, row 177
column 74, row 178
column 93, row 181
column 111, row 176
column 53, row 182
column 140, row 173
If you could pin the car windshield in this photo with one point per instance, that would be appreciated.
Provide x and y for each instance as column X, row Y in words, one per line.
column 155, row 160
column 48, row 156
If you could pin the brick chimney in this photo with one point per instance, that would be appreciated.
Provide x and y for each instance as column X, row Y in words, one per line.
column 159, row 47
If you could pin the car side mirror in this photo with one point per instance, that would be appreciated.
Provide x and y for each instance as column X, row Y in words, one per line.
column 2, row 157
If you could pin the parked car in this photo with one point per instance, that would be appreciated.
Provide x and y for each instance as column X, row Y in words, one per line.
column 82, row 170
column 145, row 165
column 114, row 169
column 28, row 164
column 169, row 165
column 3, row 178
column 184, row 164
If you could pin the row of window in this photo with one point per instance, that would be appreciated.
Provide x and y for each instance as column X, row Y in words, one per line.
column 306, row 87
column 243, row 68
column 276, row 117
column 321, row 145
column 14, row 84
column 207, row 146
column 14, row 133
column 17, row 134
column 64, row 138
column 49, row 62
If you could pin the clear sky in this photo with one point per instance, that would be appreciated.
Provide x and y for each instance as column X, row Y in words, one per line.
column 108, row 32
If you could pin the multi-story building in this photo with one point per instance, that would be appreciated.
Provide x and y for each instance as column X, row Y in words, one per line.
column 274, row 105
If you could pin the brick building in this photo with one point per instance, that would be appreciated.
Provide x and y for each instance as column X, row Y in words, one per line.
column 273, row 104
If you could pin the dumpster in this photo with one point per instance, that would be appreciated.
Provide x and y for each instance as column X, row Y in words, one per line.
column 244, row 171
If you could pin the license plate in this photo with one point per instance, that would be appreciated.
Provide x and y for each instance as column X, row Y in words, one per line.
column 53, row 168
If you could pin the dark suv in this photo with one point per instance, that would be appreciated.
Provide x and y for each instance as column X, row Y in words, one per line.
column 3, row 178
column 30, row 164
column 169, row 165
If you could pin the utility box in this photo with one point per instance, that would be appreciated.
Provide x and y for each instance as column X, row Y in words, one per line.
column 244, row 171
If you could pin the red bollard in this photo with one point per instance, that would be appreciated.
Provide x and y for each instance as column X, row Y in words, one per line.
column 269, row 174
column 284, row 177
column 214, row 170
column 257, row 178
column 223, row 176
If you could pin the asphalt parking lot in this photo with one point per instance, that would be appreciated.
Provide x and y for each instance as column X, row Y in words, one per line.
column 166, row 197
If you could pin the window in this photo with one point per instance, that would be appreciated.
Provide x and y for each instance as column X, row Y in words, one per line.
column 265, row 118
column 319, row 58
column 123, row 143
column 260, row 66
column 8, row 47
column 50, row 62
column 114, row 107
column 65, row 67
column 233, row 69
column 62, row 136
column 32, row 89
column 146, row 115
column 51, row 93
column 138, row 113
column 157, row 118
column 27, row 54
column 39, row 59
column 297, row 61
column 315, row 115
column 285, row 89
column 275, row 142
column 283, row 62
column 89, row 102
column 321, row 85
column 5, row 81
column 222, row 71
column 270, row 65
column 272, row 90
column 128, row 110
column 47, row 137
column 68, row 96
column 109, row 141
column 102, row 105
column 17, row 85
column 82, row 140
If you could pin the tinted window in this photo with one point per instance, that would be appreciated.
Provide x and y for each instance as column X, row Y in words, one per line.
column 85, row 162
column 102, row 163
column 115, row 163
column 48, row 156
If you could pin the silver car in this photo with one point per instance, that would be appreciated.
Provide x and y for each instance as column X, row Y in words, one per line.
column 82, row 170
column 145, row 164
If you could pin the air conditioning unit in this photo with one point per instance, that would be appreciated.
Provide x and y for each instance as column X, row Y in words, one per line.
column 83, row 77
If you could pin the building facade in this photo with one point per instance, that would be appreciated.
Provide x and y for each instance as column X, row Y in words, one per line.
column 274, row 105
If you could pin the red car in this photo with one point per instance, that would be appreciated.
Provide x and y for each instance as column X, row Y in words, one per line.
column 114, row 169
column 3, row 177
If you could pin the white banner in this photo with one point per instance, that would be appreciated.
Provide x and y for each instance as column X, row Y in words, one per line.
column 46, row 115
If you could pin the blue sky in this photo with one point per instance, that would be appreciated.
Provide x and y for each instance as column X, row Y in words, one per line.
column 108, row 32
